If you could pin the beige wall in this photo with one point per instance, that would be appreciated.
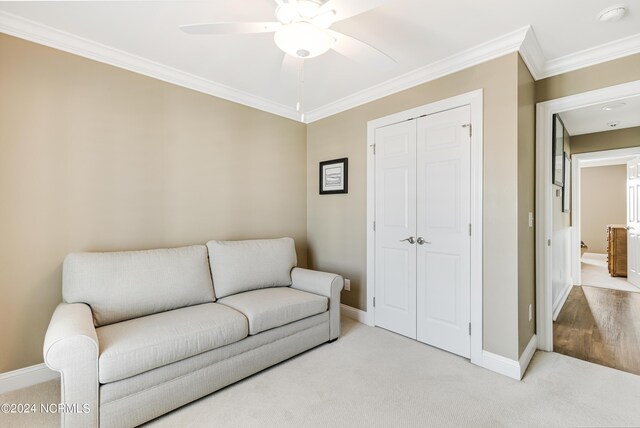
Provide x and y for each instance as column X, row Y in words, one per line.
column 97, row 158
column 603, row 201
column 609, row 73
column 336, row 224
column 526, row 205
column 608, row 140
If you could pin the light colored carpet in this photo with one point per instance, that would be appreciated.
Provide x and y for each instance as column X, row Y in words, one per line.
column 371, row 377
column 596, row 274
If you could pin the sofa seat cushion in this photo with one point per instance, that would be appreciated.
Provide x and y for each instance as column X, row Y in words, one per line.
column 273, row 307
column 132, row 347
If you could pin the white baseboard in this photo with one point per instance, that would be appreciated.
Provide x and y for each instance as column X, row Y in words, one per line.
column 527, row 355
column 499, row 364
column 508, row 367
column 557, row 305
column 353, row 313
column 28, row 376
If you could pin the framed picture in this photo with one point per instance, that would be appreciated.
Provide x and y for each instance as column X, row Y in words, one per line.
column 334, row 176
column 566, row 189
column 558, row 150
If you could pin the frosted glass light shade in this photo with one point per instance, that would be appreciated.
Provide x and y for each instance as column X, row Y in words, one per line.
column 303, row 40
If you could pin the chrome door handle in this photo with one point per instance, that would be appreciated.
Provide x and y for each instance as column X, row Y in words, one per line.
column 421, row 241
column 630, row 228
column 410, row 239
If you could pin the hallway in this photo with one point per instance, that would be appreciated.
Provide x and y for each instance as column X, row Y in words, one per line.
column 601, row 326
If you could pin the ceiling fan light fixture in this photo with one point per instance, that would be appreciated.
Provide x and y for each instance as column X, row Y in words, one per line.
column 303, row 40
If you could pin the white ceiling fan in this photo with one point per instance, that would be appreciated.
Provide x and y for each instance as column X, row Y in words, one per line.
column 302, row 29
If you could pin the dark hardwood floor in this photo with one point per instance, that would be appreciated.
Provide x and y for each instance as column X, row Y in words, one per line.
column 601, row 326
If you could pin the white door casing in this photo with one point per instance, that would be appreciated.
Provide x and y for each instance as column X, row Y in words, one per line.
column 544, row 197
column 395, row 254
column 633, row 222
column 422, row 171
column 474, row 100
column 443, row 222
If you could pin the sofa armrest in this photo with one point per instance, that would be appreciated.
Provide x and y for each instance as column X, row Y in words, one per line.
column 71, row 347
column 323, row 284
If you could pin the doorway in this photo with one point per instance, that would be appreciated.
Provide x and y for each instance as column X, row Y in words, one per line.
column 425, row 182
column 600, row 207
column 422, row 253
column 596, row 323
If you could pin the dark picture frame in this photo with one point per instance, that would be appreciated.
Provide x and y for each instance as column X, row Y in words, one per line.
column 334, row 176
column 558, row 151
column 566, row 188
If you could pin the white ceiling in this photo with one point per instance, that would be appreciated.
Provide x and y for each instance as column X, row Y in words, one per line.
column 592, row 119
column 417, row 33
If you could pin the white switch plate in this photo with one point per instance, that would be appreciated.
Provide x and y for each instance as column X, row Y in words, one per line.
column 530, row 219
column 347, row 284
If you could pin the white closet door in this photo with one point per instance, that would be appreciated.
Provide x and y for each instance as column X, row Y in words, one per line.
column 633, row 222
column 395, row 255
column 443, row 218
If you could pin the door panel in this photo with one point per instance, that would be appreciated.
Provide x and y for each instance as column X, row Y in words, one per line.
column 440, row 297
column 395, row 259
column 443, row 218
column 396, row 264
column 441, row 184
column 396, row 202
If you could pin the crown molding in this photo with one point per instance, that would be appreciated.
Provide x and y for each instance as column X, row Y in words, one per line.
column 487, row 51
column 532, row 55
column 17, row 26
column 592, row 56
column 523, row 40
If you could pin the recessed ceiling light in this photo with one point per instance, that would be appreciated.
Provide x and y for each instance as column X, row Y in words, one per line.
column 613, row 124
column 612, row 13
column 613, row 106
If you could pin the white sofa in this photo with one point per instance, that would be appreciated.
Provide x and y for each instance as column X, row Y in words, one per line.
column 141, row 333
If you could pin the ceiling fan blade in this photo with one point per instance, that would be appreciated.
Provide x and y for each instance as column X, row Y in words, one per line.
column 359, row 50
column 231, row 27
column 347, row 8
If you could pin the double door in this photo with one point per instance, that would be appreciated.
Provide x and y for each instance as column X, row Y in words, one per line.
column 422, row 236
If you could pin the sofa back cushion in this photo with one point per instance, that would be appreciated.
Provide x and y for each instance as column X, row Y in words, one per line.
column 119, row 286
column 238, row 266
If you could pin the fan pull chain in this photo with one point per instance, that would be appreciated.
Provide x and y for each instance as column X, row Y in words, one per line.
column 300, row 103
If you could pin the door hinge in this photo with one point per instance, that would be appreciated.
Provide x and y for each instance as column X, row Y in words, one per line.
column 374, row 225
column 548, row 242
column 469, row 229
column 374, row 302
column 468, row 125
column 469, row 329
column 374, row 149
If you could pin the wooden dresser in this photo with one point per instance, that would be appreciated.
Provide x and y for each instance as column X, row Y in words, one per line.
column 617, row 249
